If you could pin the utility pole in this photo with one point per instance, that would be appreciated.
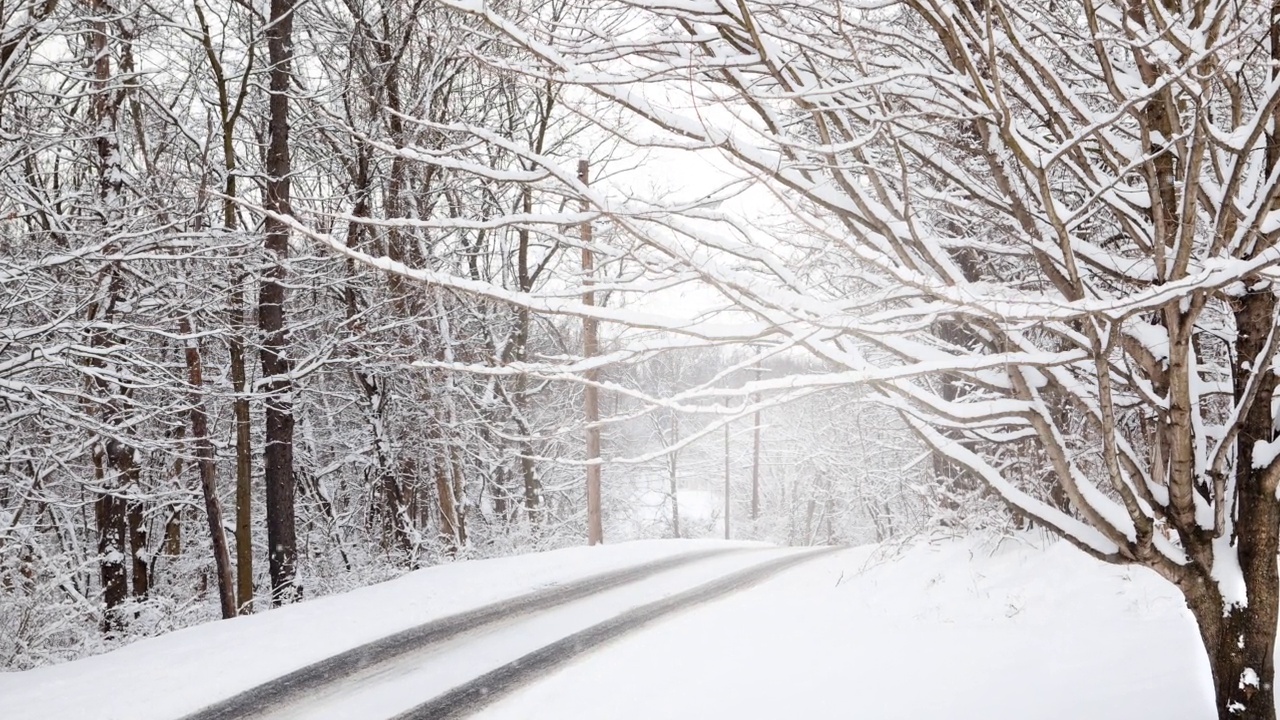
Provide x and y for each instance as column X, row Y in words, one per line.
column 591, row 396
column 726, row 480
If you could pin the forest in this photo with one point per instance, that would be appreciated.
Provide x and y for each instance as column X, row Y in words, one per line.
column 186, row 383
column 298, row 296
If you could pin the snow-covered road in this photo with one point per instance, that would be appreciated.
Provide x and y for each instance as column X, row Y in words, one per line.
column 351, row 668
column 955, row 630
column 465, row 669
column 950, row 630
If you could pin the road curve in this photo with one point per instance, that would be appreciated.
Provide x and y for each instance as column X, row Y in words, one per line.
column 465, row 699
column 300, row 683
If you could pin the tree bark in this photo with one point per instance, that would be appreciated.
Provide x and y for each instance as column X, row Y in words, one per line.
column 673, row 458
column 391, row 513
column 591, row 396
column 450, row 527
column 389, row 516
column 278, row 473
column 244, row 454
column 755, row 460
column 229, row 110
column 109, row 518
column 110, row 509
column 728, row 502
column 1240, row 640
column 1240, row 644
column 528, row 474
column 526, row 276
column 206, row 463
column 139, row 554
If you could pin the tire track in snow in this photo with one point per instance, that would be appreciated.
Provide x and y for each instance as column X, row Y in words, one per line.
column 298, row 684
column 470, row 697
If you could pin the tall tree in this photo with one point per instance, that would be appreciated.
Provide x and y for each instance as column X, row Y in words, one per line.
column 230, row 108
column 278, row 452
column 1111, row 172
column 122, row 215
column 115, row 462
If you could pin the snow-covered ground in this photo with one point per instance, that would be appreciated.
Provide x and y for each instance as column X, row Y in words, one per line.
column 183, row 671
column 954, row 631
column 951, row 630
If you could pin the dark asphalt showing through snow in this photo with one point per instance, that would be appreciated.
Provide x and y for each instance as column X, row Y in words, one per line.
column 466, row 699
column 299, row 683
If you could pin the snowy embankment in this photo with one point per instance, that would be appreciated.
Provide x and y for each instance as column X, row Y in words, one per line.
column 955, row 630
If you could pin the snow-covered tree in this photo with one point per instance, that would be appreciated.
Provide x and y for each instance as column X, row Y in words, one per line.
column 139, row 299
column 1035, row 230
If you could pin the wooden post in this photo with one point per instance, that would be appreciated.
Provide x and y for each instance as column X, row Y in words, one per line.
column 591, row 396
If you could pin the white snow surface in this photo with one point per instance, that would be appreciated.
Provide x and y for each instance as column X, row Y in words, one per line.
column 961, row 630
column 183, row 671
column 953, row 629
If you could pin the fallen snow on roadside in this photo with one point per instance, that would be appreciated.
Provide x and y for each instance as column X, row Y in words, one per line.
column 959, row 630
column 166, row 677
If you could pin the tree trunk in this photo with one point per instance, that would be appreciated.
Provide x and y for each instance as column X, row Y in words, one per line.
column 591, row 396
column 755, row 464
column 532, row 486
column 528, row 473
column 278, row 475
column 1240, row 644
column 391, row 513
column 126, row 515
column 501, row 493
column 229, row 109
column 810, row 512
column 139, row 555
column 110, row 508
column 448, row 506
column 672, row 460
column 389, row 517
column 459, row 494
column 1240, row 638
column 728, row 504
column 109, row 517
column 172, row 545
column 207, row 465
column 244, row 457
column 1244, row 677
